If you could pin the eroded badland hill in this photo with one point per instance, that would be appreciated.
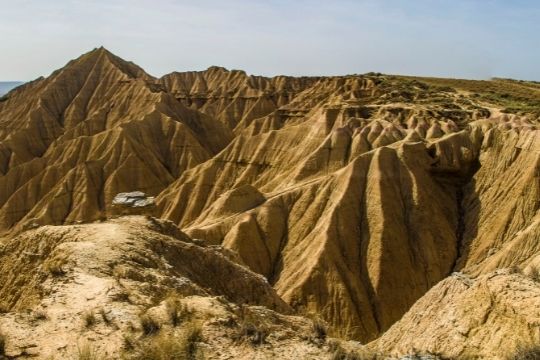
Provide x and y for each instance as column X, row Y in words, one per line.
column 352, row 217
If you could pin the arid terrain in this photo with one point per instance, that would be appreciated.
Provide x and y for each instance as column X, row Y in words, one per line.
column 349, row 217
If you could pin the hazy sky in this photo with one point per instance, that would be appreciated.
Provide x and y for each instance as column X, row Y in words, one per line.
column 452, row 38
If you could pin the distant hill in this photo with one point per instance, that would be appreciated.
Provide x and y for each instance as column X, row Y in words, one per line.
column 6, row 86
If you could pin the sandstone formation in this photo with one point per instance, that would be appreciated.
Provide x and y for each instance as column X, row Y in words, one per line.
column 402, row 211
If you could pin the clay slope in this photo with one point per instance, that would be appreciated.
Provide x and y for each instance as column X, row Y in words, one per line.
column 466, row 318
column 342, row 244
column 339, row 225
column 501, row 204
column 99, row 126
column 233, row 97
column 338, row 124
column 370, row 194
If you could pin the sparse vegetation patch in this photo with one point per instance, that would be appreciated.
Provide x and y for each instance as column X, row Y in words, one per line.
column 149, row 325
column 89, row 319
column 523, row 352
column 177, row 312
column 168, row 346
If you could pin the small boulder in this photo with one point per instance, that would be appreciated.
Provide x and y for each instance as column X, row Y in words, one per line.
column 133, row 199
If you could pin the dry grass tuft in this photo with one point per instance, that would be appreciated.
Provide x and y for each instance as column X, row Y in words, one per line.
column 4, row 308
column 526, row 353
column 2, row 344
column 256, row 334
column 149, row 325
column 56, row 266
column 104, row 316
column 250, row 329
column 87, row 351
column 129, row 342
column 39, row 315
column 89, row 318
column 177, row 312
column 121, row 296
column 192, row 336
column 167, row 347
column 320, row 330
column 339, row 353
column 534, row 274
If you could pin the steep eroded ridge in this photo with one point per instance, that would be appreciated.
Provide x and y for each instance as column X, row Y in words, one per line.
column 97, row 127
column 233, row 97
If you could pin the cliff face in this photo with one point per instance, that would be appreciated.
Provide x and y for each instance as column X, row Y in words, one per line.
column 353, row 197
